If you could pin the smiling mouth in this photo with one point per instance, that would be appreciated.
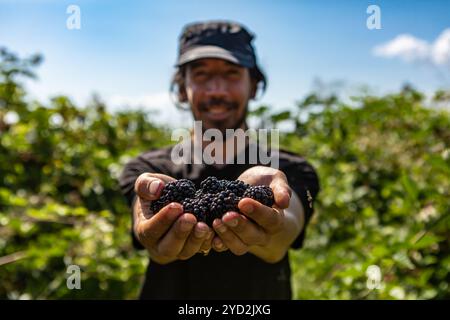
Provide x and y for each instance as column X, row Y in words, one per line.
column 219, row 112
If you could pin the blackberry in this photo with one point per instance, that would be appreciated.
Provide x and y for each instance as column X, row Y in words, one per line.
column 262, row 194
column 214, row 198
column 206, row 201
column 174, row 191
column 223, row 202
column 211, row 185
column 199, row 193
column 197, row 206
column 238, row 187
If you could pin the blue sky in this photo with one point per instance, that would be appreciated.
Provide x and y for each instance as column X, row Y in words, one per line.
column 125, row 50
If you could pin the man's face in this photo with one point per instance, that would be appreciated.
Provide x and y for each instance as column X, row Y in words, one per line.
column 218, row 92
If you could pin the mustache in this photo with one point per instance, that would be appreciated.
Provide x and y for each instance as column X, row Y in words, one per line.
column 205, row 106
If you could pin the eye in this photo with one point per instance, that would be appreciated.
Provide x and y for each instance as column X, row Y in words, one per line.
column 233, row 72
column 199, row 73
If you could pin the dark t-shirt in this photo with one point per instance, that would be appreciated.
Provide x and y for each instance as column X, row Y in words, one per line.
column 220, row 275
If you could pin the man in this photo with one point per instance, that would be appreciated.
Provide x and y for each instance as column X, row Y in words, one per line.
column 245, row 255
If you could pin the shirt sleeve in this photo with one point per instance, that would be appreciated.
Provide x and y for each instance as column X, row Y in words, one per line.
column 132, row 170
column 303, row 180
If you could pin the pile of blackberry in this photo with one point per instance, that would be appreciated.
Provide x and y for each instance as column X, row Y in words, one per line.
column 214, row 198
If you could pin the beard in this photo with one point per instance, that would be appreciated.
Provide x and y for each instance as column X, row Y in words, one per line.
column 223, row 125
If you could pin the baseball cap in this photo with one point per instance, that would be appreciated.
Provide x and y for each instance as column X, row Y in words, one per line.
column 221, row 39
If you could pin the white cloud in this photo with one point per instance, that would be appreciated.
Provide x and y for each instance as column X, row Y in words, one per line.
column 404, row 46
column 440, row 51
column 412, row 49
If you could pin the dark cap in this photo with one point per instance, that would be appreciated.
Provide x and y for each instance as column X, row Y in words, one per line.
column 217, row 39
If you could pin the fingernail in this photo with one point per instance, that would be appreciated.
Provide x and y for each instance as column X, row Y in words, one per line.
column 186, row 226
column 174, row 205
column 219, row 244
column 154, row 186
column 222, row 228
column 248, row 208
column 232, row 223
column 199, row 233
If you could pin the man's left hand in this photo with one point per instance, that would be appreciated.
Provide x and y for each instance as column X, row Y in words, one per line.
column 258, row 224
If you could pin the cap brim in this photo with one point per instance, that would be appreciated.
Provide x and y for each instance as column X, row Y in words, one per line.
column 202, row 52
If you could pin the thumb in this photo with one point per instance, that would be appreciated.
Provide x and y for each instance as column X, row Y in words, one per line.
column 148, row 186
column 281, row 191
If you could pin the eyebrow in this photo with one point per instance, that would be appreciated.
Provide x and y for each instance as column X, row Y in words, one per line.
column 197, row 64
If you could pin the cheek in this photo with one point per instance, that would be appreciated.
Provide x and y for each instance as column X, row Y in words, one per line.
column 242, row 96
column 193, row 98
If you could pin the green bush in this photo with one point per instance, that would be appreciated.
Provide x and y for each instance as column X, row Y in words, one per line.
column 384, row 166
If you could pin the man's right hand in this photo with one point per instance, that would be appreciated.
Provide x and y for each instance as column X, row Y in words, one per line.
column 169, row 234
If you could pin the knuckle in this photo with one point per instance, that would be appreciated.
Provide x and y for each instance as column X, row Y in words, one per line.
column 144, row 234
column 140, row 233
column 281, row 174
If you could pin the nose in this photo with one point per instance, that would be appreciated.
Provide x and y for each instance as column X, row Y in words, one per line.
column 216, row 87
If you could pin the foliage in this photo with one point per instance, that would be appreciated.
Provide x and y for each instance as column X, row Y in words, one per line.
column 384, row 166
column 60, row 203
column 383, row 162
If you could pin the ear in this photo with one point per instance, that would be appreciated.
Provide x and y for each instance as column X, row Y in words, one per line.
column 182, row 95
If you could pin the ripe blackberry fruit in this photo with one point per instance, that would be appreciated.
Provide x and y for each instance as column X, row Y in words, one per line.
column 211, row 185
column 214, row 198
column 174, row 191
column 223, row 202
column 197, row 206
column 199, row 193
column 262, row 194
column 237, row 187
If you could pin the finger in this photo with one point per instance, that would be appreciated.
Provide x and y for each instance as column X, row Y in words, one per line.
column 173, row 242
column 218, row 245
column 207, row 243
column 249, row 232
column 229, row 238
column 148, row 186
column 281, row 190
column 194, row 241
column 270, row 219
column 151, row 230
